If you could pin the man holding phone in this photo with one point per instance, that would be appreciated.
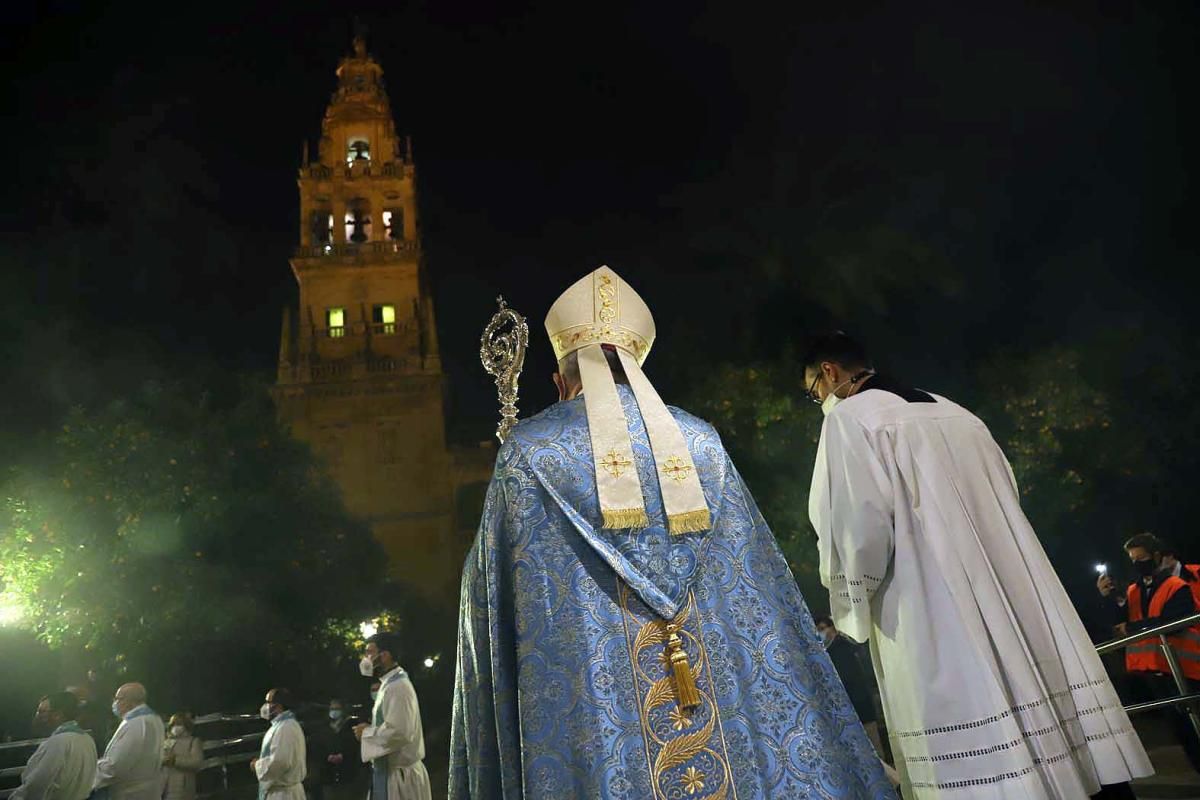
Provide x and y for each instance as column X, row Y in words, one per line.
column 1164, row 591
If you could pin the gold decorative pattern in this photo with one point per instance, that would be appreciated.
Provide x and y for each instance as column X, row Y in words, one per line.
column 681, row 750
column 606, row 293
column 615, row 464
column 692, row 780
column 571, row 340
column 677, row 469
column 680, row 718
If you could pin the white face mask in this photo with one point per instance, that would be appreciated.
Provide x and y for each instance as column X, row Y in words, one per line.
column 178, row 730
column 832, row 399
column 829, row 402
column 265, row 711
column 367, row 667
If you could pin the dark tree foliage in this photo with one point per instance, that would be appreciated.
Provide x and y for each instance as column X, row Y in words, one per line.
column 179, row 534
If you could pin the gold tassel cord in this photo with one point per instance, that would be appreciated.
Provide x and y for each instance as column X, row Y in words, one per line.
column 690, row 522
column 685, row 682
column 625, row 518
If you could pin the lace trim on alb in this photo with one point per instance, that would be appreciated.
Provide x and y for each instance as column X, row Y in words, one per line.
column 978, row 723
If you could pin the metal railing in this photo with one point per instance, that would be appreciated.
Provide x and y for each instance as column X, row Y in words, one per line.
column 1188, row 700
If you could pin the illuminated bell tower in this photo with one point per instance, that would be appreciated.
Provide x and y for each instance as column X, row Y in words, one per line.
column 360, row 376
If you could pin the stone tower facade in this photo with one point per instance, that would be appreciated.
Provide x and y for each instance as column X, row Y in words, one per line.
column 360, row 375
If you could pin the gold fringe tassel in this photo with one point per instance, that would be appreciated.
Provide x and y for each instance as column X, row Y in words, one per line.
column 625, row 518
column 689, row 522
column 685, row 682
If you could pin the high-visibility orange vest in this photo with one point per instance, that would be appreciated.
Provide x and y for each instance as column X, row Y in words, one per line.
column 1145, row 655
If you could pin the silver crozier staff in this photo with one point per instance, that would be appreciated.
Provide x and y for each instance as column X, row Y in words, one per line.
column 502, row 351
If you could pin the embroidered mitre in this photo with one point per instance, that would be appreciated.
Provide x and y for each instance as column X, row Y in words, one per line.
column 601, row 309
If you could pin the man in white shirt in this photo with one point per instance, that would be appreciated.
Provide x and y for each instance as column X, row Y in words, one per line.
column 393, row 742
column 64, row 765
column 991, row 687
column 131, row 767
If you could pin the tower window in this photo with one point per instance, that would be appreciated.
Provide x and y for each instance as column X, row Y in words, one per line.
column 358, row 224
column 393, row 223
column 335, row 322
column 322, row 226
column 358, row 150
column 383, row 319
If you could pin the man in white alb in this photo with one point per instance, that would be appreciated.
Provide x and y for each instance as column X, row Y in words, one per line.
column 131, row 767
column 282, row 762
column 64, row 765
column 393, row 742
column 991, row 688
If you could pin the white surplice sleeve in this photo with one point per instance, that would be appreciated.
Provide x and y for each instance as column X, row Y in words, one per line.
column 43, row 772
column 121, row 753
column 400, row 728
column 851, row 508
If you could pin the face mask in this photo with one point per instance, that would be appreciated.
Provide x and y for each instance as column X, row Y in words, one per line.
column 829, row 402
column 832, row 399
column 374, row 695
column 116, row 711
column 367, row 667
column 265, row 711
column 1146, row 568
column 335, row 713
column 178, row 730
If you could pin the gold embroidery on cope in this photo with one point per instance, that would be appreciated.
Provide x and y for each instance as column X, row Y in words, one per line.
column 615, row 464
column 681, row 751
column 676, row 469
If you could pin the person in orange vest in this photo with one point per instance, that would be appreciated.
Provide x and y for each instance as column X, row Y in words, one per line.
column 1165, row 590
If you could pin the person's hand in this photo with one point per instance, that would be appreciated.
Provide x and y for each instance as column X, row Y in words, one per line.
column 334, row 758
column 169, row 760
column 358, row 730
column 254, row 765
column 1105, row 584
column 1120, row 630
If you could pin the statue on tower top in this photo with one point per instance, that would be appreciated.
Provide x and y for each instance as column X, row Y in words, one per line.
column 360, row 38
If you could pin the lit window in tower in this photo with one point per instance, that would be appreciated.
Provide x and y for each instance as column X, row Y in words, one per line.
column 335, row 322
column 358, row 150
column 393, row 223
column 383, row 319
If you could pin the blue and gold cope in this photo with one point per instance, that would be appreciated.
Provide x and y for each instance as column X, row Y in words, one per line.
column 564, row 686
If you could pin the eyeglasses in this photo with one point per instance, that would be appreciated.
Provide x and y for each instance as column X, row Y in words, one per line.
column 811, row 394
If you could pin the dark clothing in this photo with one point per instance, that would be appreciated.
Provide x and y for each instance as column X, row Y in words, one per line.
column 885, row 383
column 95, row 720
column 1163, row 687
column 1115, row 791
column 325, row 740
column 844, row 655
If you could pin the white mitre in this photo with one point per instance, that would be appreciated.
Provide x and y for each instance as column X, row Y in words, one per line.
column 602, row 309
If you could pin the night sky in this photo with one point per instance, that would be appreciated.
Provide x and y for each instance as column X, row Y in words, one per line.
column 1043, row 159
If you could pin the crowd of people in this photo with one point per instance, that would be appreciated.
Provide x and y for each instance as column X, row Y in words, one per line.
column 147, row 760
